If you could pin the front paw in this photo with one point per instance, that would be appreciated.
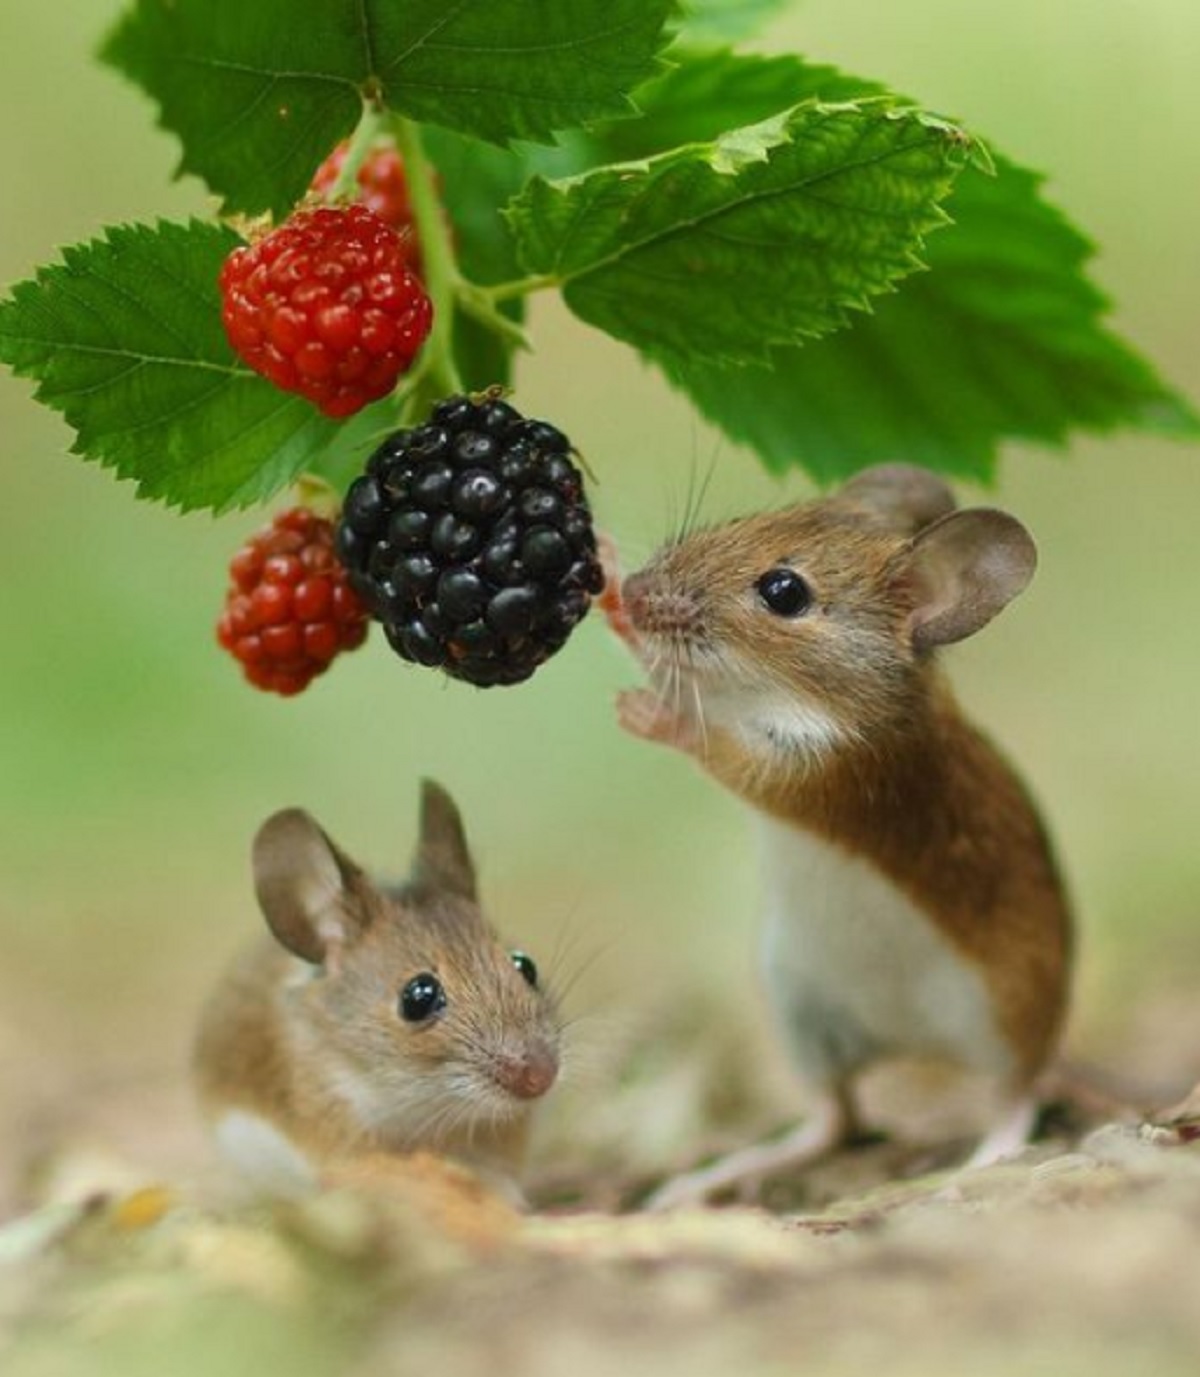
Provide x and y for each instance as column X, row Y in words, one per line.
column 642, row 713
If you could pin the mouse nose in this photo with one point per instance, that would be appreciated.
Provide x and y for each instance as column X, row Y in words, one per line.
column 655, row 609
column 527, row 1074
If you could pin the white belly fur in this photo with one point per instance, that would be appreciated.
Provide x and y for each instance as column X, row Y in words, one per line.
column 857, row 972
column 268, row 1161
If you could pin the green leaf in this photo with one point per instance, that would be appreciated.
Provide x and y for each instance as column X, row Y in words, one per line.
column 475, row 180
column 483, row 358
column 886, row 388
column 125, row 339
column 772, row 233
column 1002, row 339
column 258, row 95
column 722, row 21
column 352, row 443
column 705, row 93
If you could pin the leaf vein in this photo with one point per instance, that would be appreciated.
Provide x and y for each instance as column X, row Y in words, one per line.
column 75, row 347
column 162, row 419
column 364, row 15
column 530, row 49
column 801, row 186
column 421, row 40
column 221, row 64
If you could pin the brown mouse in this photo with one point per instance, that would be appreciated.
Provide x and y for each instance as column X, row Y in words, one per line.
column 373, row 1020
column 913, row 903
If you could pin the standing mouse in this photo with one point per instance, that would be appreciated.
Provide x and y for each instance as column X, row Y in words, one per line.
column 373, row 1020
column 913, row 904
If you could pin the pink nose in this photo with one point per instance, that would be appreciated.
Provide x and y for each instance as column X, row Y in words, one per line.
column 526, row 1074
column 655, row 609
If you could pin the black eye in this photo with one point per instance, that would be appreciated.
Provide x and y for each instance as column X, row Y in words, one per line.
column 422, row 997
column 527, row 968
column 784, row 592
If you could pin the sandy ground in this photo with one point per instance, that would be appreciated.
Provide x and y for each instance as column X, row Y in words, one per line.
column 121, row 1255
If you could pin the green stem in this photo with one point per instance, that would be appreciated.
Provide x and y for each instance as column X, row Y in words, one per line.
column 439, row 267
column 370, row 126
column 476, row 302
column 521, row 286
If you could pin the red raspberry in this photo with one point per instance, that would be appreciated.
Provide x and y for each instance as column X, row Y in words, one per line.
column 326, row 306
column 289, row 610
column 383, row 188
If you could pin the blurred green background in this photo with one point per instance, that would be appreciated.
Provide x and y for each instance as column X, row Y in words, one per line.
column 135, row 764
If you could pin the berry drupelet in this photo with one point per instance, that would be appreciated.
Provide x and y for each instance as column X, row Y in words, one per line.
column 290, row 610
column 327, row 306
column 382, row 188
column 470, row 539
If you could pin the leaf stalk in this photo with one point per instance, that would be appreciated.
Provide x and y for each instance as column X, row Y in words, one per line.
column 521, row 286
column 370, row 126
column 437, row 368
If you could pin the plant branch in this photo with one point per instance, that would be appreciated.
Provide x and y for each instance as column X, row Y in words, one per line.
column 439, row 266
column 370, row 126
column 477, row 303
column 521, row 286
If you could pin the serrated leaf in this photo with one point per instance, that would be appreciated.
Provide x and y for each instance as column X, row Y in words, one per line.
column 769, row 235
column 831, row 408
column 125, row 339
column 1002, row 339
column 704, row 93
column 723, row 21
column 258, row 96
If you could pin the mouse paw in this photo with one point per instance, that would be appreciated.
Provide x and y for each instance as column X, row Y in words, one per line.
column 609, row 600
column 642, row 713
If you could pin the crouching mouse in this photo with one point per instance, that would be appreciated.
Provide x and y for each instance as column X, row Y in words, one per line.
column 373, row 1020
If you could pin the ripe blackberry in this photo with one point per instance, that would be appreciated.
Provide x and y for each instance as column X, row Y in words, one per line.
column 290, row 609
column 382, row 188
column 470, row 539
column 326, row 306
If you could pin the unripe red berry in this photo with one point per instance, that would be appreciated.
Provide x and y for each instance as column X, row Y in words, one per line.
column 326, row 306
column 382, row 187
column 289, row 610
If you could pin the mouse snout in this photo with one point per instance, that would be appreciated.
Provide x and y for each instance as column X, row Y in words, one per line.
column 528, row 1073
column 656, row 610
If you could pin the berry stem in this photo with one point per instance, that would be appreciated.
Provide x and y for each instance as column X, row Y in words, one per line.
column 437, row 368
column 520, row 286
column 370, row 126
column 476, row 302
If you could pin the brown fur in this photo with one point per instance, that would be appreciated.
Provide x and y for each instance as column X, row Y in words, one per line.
column 954, row 829
column 294, row 1042
column 910, row 786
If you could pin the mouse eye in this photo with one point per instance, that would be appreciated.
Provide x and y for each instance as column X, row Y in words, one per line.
column 421, row 998
column 784, row 592
column 526, row 966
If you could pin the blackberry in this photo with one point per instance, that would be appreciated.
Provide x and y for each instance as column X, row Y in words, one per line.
column 470, row 539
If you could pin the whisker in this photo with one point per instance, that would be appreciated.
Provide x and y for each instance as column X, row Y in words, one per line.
column 696, row 503
column 689, row 499
column 564, row 988
column 698, row 700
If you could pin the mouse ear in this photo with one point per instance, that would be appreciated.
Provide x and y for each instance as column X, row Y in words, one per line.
column 906, row 497
column 309, row 891
column 963, row 570
column 443, row 861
